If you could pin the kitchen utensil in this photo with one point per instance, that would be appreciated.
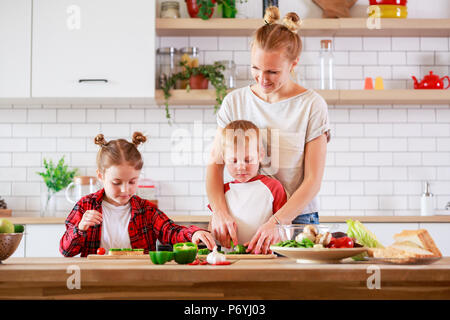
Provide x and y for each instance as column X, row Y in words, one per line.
column 335, row 8
column 368, row 84
column 326, row 61
column 431, row 81
column 379, row 85
column 389, row 2
column 82, row 185
column 243, row 256
column 170, row 9
column 167, row 60
column 311, row 255
column 388, row 11
column 8, row 244
column 410, row 261
column 117, row 257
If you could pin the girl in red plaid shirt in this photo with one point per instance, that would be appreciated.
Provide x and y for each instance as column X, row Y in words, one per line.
column 114, row 217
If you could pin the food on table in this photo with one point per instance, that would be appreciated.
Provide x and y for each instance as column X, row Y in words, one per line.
column 304, row 243
column 6, row 226
column 184, row 252
column 204, row 251
column 415, row 244
column 161, row 257
column 101, row 251
column 125, row 252
column 215, row 257
column 238, row 249
column 311, row 233
column 363, row 236
column 19, row 228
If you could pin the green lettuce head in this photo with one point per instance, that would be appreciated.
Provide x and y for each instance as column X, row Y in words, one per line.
column 363, row 236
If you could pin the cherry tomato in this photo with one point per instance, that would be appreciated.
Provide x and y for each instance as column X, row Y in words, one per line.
column 344, row 242
column 101, row 251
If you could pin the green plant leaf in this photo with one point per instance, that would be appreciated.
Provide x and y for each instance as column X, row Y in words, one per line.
column 56, row 177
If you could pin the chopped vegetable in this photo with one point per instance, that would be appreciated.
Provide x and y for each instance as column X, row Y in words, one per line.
column 204, row 251
column 304, row 243
column 161, row 257
column 184, row 252
column 101, row 251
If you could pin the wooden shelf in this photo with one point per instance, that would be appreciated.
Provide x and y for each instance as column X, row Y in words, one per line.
column 338, row 97
column 310, row 27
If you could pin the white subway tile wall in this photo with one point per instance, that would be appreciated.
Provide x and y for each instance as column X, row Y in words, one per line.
column 378, row 157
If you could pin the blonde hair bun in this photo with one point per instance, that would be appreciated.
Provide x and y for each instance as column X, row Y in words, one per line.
column 138, row 138
column 272, row 15
column 292, row 21
column 100, row 140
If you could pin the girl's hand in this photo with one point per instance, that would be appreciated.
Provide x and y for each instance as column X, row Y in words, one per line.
column 266, row 235
column 204, row 237
column 224, row 229
column 90, row 218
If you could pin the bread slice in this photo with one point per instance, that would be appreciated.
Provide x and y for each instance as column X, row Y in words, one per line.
column 420, row 237
column 409, row 244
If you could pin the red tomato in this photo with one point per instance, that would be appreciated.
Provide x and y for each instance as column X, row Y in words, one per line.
column 332, row 242
column 101, row 251
column 344, row 242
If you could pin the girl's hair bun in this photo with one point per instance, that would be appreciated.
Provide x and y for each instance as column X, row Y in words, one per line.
column 271, row 15
column 292, row 21
column 138, row 138
column 100, row 140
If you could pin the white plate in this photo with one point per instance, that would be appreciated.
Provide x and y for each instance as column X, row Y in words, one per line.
column 311, row 255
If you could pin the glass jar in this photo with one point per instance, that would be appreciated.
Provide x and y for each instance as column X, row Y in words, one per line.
column 229, row 74
column 191, row 56
column 326, row 66
column 146, row 189
column 167, row 63
column 170, row 9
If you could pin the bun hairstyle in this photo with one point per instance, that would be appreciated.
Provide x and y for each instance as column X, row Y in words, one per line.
column 275, row 36
column 120, row 151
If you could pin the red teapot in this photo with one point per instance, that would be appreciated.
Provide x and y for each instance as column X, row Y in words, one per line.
column 431, row 81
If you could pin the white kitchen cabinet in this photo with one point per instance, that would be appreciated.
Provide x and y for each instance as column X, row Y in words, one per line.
column 85, row 48
column 42, row 240
column 15, row 48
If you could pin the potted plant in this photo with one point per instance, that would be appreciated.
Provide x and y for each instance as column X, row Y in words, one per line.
column 198, row 76
column 204, row 9
column 55, row 178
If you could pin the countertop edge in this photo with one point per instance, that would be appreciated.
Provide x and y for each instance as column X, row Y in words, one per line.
column 323, row 219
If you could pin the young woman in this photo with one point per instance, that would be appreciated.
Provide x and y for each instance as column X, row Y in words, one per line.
column 298, row 122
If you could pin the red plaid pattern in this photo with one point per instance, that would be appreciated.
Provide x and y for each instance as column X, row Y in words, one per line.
column 147, row 224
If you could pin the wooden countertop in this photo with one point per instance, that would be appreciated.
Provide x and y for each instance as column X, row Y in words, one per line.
column 280, row 278
column 323, row 219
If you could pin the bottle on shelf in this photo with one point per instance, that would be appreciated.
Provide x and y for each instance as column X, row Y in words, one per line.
column 427, row 201
column 326, row 66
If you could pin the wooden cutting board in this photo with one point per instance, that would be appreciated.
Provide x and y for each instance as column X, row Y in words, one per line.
column 146, row 256
column 244, row 256
column 112, row 257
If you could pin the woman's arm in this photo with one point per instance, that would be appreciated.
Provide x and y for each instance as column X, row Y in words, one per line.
column 315, row 156
column 223, row 226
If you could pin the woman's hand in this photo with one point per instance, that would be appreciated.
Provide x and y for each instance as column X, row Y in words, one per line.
column 204, row 237
column 266, row 235
column 90, row 218
column 224, row 229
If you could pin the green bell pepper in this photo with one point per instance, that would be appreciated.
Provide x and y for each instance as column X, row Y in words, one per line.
column 203, row 251
column 184, row 252
column 161, row 257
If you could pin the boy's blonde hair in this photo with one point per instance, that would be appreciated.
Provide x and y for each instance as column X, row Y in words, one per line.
column 239, row 131
column 120, row 151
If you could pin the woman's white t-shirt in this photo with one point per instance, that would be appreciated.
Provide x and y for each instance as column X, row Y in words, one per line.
column 115, row 226
column 293, row 123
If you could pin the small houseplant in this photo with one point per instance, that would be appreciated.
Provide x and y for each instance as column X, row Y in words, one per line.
column 56, row 178
column 205, row 8
column 212, row 73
